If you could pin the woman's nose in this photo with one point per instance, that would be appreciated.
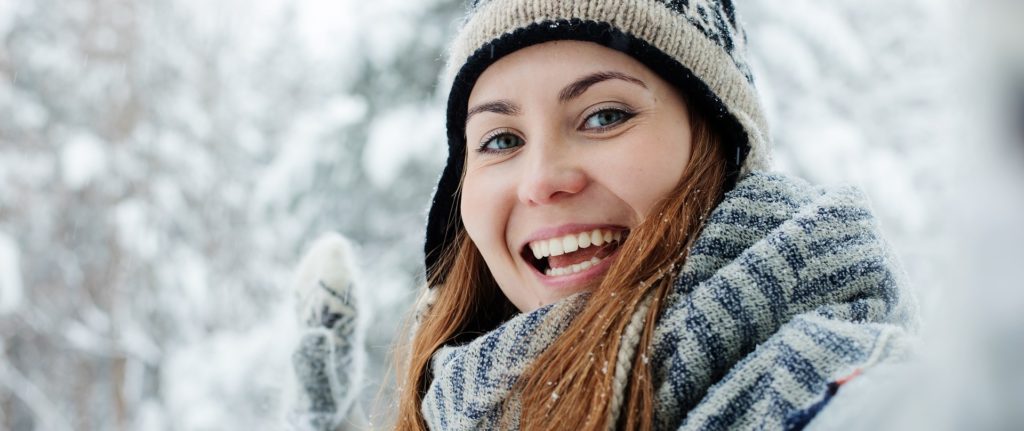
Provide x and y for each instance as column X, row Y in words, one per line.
column 552, row 174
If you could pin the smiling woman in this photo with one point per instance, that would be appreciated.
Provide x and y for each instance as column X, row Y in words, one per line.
column 606, row 250
column 571, row 143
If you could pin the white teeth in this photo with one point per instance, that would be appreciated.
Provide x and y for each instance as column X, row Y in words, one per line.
column 569, row 244
column 572, row 242
column 555, row 272
column 574, row 268
column 583, row 240
column 555, row 246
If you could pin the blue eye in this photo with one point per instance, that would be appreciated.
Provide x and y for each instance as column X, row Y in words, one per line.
column 605, row 118
column 503, row 141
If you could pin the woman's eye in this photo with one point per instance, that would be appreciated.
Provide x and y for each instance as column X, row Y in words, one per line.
column 501, row 142
column 605, row 118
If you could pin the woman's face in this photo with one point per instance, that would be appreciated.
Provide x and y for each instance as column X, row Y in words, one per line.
column 569, row 145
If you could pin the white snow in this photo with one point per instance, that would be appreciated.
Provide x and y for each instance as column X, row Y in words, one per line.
column 84, row 338
column 292, row 168
column 411, row 132
column 8, row 12
column 82, row 159
column 11, row 289
column 193, row 276
column 29, row 113
column 326, row 29
column 210, row 381
column 134, row 232
column 297, row 155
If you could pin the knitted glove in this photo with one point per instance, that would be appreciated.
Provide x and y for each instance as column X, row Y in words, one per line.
column 325, row 358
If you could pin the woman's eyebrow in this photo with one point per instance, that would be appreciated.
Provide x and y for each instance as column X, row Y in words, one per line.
column 504, row 107
column 571, row 91
column 580, row 86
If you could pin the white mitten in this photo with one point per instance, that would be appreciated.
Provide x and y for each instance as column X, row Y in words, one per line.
column 327, row 355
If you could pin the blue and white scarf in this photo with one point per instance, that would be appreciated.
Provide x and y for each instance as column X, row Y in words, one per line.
column 788, row 288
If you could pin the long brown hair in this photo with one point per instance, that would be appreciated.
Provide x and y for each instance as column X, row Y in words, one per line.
column 469, row 303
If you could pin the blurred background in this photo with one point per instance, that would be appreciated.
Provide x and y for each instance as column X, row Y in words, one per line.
column 165, row 163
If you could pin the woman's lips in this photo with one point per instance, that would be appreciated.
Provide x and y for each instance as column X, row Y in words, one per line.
column 572, row 254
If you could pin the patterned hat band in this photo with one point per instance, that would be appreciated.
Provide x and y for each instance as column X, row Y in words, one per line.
column 696, row 45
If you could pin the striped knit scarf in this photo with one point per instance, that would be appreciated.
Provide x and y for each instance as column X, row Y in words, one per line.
column 788, row 288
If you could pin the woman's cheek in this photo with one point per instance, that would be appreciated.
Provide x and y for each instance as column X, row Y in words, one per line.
column 641, row 179
column 481, row 213
column 472, row 209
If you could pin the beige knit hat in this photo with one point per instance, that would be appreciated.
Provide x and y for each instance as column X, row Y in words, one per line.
column 696, row 45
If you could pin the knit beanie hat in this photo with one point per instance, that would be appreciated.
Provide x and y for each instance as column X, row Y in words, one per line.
column 695, row 45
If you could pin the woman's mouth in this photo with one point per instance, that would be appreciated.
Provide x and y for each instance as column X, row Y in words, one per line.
column 572, row 253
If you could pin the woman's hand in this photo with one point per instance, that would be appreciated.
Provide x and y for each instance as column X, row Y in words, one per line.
column 324, row 359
